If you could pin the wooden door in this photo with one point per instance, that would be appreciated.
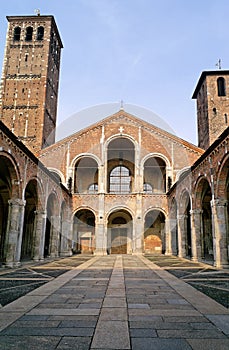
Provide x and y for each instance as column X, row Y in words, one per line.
column 118, row 240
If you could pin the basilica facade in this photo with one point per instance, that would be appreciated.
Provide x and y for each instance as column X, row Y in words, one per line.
column 120, row 186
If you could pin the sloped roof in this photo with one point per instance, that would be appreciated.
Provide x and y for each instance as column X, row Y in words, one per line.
column 132, row 119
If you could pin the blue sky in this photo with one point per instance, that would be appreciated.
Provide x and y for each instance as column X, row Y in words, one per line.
column 145, row 52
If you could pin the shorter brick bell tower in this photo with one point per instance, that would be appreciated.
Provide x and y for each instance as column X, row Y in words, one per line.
column 212, row 95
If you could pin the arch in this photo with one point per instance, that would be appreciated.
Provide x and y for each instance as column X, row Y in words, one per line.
column 221, row 86
column 203, row 196
column 17, row 33
column 222, row 179
column 155, row 155
column 9, row 189
column 119, row 232
column 50, row 227
column 29, row 34
column 182, row 172
column 40, row 33
column 120, row 165
column 154, row 232
column 83, row 231
column 86, row 173
column 155, row 174
column 28, row 237
column 57, row 173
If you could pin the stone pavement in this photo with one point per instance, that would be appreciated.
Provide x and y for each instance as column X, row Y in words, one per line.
column 115, row 302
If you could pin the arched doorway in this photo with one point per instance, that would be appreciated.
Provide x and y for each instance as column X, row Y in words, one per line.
column 9, row 187
column 84, row 231
column 203, row 201
column 51, row 207
column 120, row 226
column 154, row 232
column 31, row 198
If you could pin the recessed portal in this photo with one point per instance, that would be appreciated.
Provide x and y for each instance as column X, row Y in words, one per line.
column 120, row 233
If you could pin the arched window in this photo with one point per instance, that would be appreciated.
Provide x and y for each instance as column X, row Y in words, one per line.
column 93, row 188
column 120, row 180
column 147, row 188
column 29, row 34
column 221, row 86
column 17, row 33
column 40, row 33
column 86, row 175
column 155, row 175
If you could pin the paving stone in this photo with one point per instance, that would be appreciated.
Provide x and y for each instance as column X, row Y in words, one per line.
column 76, row 343
column 32, row 331
column 159, row 344
column 112, row 302
column 111, row 335
column 143, row 333
column 209, row 334
column 77, row 324
column 161, row 325
column 28, row 342
column 115, row 314
column 138, row 306
column 221, row 321
column 209, row 344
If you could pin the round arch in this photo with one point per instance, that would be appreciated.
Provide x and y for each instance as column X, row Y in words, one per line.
column 10, row 188
column 83, row 231
column 31, row 197
column 154, row 231
column 203, row 197
column 119, row 231
column 120, row 164
column 58, row 173
column 155, row 155
column 51, row 227
column 86, row 174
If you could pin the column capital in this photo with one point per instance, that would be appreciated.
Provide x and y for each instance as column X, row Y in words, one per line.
column 196, row 211
column 219, row 202
column 17, row 201
column 182, row 216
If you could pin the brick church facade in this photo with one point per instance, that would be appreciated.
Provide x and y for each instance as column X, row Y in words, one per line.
column 120, row 186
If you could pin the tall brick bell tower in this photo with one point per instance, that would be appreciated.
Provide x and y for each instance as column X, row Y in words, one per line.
column 212, row 95
column 30, row 79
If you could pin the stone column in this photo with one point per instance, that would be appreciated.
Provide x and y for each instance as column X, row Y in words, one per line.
column 65, row 247
column 14, row 232
column 100, row 232
column 196, row 228
column 219, row 233
column 181, row 235
column 168, row 236
column 54, row 235
column 39, row 234
column 138, row 227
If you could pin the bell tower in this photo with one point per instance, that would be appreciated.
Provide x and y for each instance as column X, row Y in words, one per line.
column 30, row 79
column 212, row 95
